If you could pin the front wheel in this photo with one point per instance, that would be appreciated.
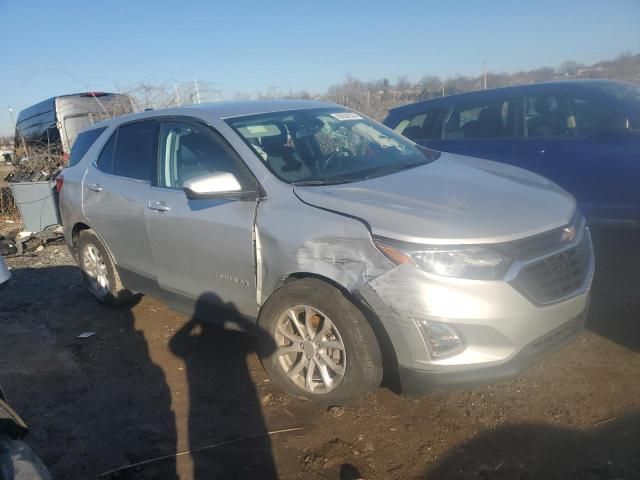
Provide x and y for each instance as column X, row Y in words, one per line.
column 318, row 344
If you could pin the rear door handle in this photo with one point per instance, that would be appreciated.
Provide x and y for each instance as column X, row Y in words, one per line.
column 94, row 187
column 158, row 206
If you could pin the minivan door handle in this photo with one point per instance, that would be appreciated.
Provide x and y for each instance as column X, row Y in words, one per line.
column 94, row 187
column 158, row 206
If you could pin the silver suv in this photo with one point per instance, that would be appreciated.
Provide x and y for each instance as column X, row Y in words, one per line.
column 349, row 249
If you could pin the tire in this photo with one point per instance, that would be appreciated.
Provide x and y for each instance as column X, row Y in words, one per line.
column 350, row 374
column 99, row 275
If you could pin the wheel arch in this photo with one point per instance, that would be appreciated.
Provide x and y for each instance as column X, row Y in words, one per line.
column 75, row 231
column 391, row 377
column 80, row 227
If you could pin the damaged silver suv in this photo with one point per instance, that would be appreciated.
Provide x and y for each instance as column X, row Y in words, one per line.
column 348, row 248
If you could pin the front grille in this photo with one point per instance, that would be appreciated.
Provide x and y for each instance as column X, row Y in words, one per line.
column 543, row 243
column 558, row 275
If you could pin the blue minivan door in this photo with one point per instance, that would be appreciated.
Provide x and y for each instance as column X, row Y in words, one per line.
column 571, row 139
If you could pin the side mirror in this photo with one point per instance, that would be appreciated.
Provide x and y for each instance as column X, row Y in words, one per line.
column 214, row 185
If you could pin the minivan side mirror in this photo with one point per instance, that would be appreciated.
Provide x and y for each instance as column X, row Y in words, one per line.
column 215, row 185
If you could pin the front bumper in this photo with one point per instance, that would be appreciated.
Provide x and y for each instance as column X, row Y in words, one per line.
column 504, row 332
column 423, row 382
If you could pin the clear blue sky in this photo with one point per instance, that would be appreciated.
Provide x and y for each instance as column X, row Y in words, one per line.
column 50, row 48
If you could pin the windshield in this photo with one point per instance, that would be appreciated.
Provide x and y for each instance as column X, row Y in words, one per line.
column 319, row 146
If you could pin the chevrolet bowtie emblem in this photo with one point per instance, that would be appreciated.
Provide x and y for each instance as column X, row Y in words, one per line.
column 568, row 234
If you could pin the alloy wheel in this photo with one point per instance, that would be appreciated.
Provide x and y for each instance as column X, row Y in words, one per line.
column 95, row 268
column 310, row 349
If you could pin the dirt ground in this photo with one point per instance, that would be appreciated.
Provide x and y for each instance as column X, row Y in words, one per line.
column 151, row 383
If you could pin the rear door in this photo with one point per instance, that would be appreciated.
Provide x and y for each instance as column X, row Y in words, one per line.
column 203, row 248
column 482, row 126
column 570, row 140
column 115, row 189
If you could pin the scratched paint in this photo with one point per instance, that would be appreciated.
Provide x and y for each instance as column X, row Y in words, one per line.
column 349, row 261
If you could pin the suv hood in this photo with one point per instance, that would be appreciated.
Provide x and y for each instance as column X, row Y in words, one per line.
column 453, row 200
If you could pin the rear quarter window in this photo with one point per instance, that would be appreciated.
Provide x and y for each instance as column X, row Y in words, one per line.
column 83, row 144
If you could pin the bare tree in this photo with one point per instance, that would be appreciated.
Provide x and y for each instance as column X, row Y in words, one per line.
column 171, row 94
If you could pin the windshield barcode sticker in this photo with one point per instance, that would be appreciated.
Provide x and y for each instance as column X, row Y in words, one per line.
column 342, row 116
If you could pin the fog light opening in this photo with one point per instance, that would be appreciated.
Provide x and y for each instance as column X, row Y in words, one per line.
column 441, row 340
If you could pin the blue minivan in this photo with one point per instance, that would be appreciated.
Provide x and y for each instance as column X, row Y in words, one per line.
column 582, row 134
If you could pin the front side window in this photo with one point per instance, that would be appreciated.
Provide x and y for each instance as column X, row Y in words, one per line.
column 188, row 150
column 135, row 150
column 481, row 119
column 318, row 146
column 83, row 143
column 423, row 126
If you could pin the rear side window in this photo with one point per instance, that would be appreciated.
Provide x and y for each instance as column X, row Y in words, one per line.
column 105, row 160
column 135, row 151
column 83, row 144
column 422, row 126
column 593, row 117
column 478, row 119
column 548, row 116
column 569, row 116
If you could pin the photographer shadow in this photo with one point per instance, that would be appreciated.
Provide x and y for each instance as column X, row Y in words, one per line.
column 228, row 437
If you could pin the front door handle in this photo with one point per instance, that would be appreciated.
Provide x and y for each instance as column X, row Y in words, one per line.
column 158, row 206
column 94, row 187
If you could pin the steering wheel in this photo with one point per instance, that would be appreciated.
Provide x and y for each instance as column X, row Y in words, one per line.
column 337, row 157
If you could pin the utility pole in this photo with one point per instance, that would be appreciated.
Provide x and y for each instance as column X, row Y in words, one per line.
column 484, row 73
column 13, row 122
column 443, row 88
column 195, row 80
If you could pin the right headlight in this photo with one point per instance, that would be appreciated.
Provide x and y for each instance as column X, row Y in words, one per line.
column 472, row 262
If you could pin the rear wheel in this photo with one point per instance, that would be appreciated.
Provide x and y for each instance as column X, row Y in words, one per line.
column 99, row 274
column 318, row 344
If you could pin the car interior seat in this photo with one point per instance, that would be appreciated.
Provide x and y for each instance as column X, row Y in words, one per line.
column 544, row 123
column 488, row 124
column 281, row 157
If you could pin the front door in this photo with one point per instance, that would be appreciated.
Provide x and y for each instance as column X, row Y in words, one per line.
column 203, row 249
